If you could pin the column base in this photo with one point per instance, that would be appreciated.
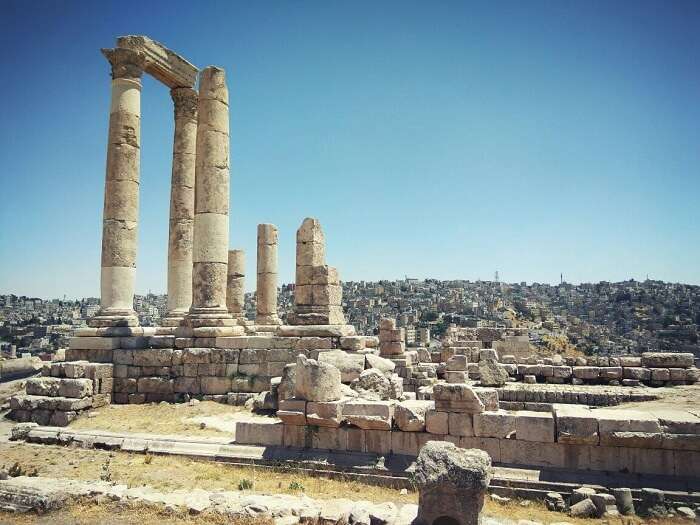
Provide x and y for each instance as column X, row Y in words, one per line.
column 112, row 318
column 209, row 322
column 173, row 318
column 315, row 315
column 268, row 320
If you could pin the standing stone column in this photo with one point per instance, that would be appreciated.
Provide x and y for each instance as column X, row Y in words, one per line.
column 235, row 287
column 317, row 291
column 267, row 276
column 210, row 250
column 121, row 202
column 181, row 206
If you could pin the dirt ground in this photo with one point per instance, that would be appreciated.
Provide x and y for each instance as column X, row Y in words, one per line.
column 677, row 398
column 206, row 418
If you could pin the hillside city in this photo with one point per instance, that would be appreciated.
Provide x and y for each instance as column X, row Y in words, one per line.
column 603, row 318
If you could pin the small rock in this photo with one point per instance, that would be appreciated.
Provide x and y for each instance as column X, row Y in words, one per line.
column 686, row 512
column 202, row 425
column 3, row 474
column 193, row 402
column 525, row 503
column 500, row 499
column 92, row 414
column 403, row 492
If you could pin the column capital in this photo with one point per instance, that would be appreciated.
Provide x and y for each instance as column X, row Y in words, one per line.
column 125, row 63
column 185, row 102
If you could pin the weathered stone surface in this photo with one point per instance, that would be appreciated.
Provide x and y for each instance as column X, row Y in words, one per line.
column 385, row 366
column 576, row 424
column 374, row 385
column 369, row 415
column 410, row 415
column 667, row 360
column 456, row 398
column 624, row 501
column 491, row 373
column 499, row 424
column 350, row 365
column 452, row 483
column 583, row 509
column 317, row 381
column 534, row 426
column 324, row 413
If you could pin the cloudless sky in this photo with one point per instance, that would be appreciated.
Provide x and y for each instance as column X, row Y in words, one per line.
column 431, row 139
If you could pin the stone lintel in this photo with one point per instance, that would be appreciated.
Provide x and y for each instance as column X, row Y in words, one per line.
column 162, row 63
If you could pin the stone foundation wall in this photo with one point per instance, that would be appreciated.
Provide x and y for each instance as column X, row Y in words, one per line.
column 153, row 368
column 569, row 437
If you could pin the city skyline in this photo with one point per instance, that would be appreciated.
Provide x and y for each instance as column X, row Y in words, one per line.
column 429, row 142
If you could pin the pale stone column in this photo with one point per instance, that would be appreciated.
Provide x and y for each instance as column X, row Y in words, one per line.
column 121, row 202
column 181, row 206
column 235, row 288
column 210, row 250
column 267, row 276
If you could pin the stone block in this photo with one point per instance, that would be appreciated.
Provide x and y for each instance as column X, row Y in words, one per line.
column 153, row 357
column 534, row 426
column 437, row 422
column 43, row 386
column 265, row 433
column 500, row 424
column 324, row 413
column 195, row 355
column 75, row 388
column 94, row 343
column 626, row 421
column 186, row 385
column 215, row 384
column 638, row 373
column 154, row 385
column 457, row 363
column 292, row 411
column 408, row 443
column 660, row 374
column 317, row 381
column 667, row 360
column 576, row 424
column 610, row 372
column 460, row 424
column 75, row 369
column 456, row 398
column 488, row 397
column 586, row 372
column 350, row 365
column 369, row 415
column 410, row 415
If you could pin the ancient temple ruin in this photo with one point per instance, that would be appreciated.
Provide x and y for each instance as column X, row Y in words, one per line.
column 324, row 386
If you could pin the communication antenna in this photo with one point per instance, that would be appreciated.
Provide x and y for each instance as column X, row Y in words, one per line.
column 495, row 276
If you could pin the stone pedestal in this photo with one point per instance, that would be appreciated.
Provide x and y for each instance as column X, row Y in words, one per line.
column 266, row 309
column 452, row 483
column 121, row 203
column 208, row 315
column 317, row 293
column 181, row 206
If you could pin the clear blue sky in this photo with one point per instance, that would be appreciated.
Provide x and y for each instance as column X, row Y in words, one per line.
column 434, row 139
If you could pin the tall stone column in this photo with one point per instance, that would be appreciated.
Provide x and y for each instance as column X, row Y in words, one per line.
column 181, row 206
column 267, row 276
column 208, row 313
column 235, row 288
column 121, row 202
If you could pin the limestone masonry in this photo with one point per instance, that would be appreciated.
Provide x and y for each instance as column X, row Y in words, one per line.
column 323, row 385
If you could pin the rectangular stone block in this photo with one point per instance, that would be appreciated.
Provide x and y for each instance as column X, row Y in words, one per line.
column 265, row 433
column 324, row 414
column 499, row 424
column 94, row 343
column 586, row 372
column 154, row 385
column 460, row 424
column 215, row 384
column 667, row 359
column 437, row 422
column 369, row 415
column 292, row 411
column 377, row 441
column 153, row 357
column 534, row 426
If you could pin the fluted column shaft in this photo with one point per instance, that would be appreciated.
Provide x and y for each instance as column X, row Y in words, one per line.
column 181, row 205
column 267, row 276
column 121, row 202
column 211, row 228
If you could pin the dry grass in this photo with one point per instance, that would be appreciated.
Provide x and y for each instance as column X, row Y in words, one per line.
column 157, row 418
column 166, row 473
column 123, row 513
